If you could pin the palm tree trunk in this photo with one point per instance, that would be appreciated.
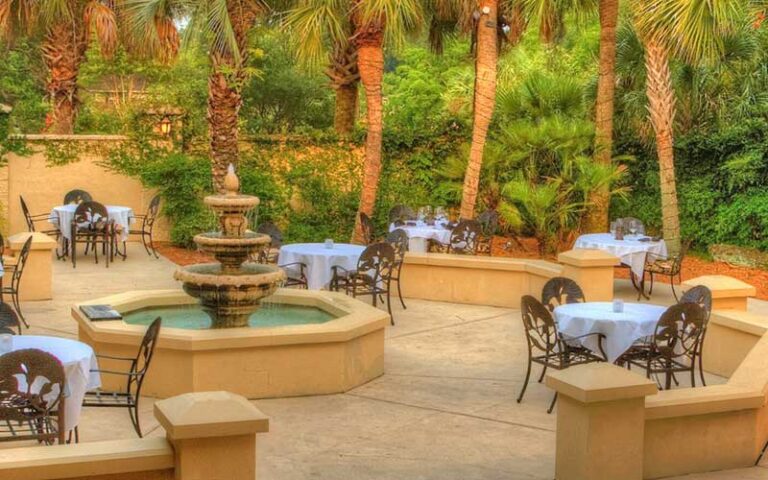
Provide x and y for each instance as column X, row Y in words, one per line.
column 63, row 50
column 371, row 64
column 597, row 218
column 485, row 101
column 345, row 114
column 552, row 27
column 224, row 102
column 661, row 106
column 517, row 23
column 345, row 78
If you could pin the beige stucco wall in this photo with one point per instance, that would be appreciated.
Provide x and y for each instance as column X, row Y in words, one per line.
column 44, row 185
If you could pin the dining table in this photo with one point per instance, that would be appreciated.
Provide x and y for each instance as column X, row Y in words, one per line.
column 62, row 215
column 420, row 233
column 619, row 330
column 633, row 250
column 80, row 369
column 319, row 259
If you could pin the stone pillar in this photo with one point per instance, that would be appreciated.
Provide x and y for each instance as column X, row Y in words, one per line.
column 213, row 435
column 600, row 422
column 592, row 270
column 37, row 280
column 728, row 293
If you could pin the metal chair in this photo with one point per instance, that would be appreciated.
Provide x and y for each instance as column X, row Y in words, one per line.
column 130, row 397
column 17, row 274
column 559, row 291
column 9, row 320
column 399, row 240
column 464, row 239
column 545, row 345
column 91, row 225
column 674, row 347
column 666, row 266
column 366, row 226
column 489, row 226
column 401, row 213
column 701, row 296
column 296, row 273
column 77, row 196
column 31, row 220
column 30, row 409
column 148, row 226
column 372, row 276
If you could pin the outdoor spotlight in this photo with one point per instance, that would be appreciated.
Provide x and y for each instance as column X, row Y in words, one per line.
column 165, row 125
column 486, row 10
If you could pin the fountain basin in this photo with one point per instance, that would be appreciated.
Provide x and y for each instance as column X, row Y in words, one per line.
column 333, row 356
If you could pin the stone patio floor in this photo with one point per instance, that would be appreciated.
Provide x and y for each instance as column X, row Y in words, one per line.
column 445, row 409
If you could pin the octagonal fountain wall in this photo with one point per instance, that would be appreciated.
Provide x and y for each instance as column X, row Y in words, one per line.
column 263, row 362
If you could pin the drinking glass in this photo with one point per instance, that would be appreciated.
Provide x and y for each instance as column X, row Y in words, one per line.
column 329, row 243
column 6, row 343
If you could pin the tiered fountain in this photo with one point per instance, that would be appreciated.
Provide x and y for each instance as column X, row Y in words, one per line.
column 231, row 290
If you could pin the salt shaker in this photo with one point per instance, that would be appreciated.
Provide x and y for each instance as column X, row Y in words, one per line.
column 618, row 305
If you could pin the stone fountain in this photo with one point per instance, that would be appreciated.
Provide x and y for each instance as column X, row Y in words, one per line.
column 231, row 290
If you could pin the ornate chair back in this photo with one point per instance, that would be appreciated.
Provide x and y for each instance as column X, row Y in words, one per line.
column 678, row 332
column 366, row 224
column 465, row 236
column 560, row 290
column 77, row 196
column 152, row 211
column 401, row 213
column 377, row 262
column 27, row 215
column 398, row 238
column 701, row 296
column 489, row 222
column 140, row 365
column 20, row 264
column 274, row 233
column 540, row 328
column 89, row 214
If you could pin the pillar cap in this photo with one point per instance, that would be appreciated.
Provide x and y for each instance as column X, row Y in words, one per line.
column 209, row 414
column 40, row 241
column 600, row 382
column 722, row 286
column 588, row 257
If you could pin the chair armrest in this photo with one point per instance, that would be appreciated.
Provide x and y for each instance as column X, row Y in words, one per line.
column 127, row 359
column 112, row 372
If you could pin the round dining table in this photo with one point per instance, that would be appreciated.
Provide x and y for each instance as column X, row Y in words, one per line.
column 632, row 250
column 319, row 259
column 419, row 234
column 79, row 363
column 62, row 216
column 620, row 329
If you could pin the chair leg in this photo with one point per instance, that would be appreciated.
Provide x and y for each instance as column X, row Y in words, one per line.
column 543, row 372
column 552, row 405
column 389, row 307
column 144, row 242
column 672, row 282
column 17, row 306
column 133, row 412
column 152, row 245
column 701, row 369
column 693, row 374
column 525, row 382
column 400, row 294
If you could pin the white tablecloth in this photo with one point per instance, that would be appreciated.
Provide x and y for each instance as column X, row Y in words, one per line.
column 419, row 235
column 78, row 360
column 631, row 251
column 319, row 260
column 621, row 330
column 62, row 216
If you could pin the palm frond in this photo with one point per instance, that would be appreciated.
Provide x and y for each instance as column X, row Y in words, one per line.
column 399, row 17
column 316, row 25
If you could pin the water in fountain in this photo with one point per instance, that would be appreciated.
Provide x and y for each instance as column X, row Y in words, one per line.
column 231, row 290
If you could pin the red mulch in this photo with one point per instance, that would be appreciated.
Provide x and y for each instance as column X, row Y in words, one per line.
column 528, row 248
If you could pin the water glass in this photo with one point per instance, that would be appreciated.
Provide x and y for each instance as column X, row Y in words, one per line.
column 6, row 343
column 618, row 305
column 329, row 243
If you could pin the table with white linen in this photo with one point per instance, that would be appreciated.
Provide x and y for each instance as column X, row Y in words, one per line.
column 78, row 360
column 320, row 259
column 420, row 234
column 631, row 250
column 62, row 216
column 621, row 329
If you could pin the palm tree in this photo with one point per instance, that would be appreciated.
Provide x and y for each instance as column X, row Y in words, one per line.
column 694, row 30
column 67, row 27
column 226, row 23
column 485, row 99
column 597, row 219
column 550, row 15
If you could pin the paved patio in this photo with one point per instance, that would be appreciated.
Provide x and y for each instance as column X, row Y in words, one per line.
column 445, row 409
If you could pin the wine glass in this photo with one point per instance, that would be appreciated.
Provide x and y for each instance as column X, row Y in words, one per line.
column 633, row 227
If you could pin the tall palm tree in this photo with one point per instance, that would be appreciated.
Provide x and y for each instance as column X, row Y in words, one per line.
column 226, row 24
column 694, row 30
column 550, row 15
column 597, row 219
column 485, row 99
column 67, row 27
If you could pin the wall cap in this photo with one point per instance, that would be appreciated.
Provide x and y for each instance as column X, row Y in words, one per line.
column 209, row 414
column 600, row 382
column 539, row 267
column 722, row 286
column 40, row 241
column 56, row 137
column 701, row 401
column 588, row 257
column 743, row 321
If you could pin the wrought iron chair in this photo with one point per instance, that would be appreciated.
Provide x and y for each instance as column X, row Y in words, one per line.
column 559, row 291
column 666, row 266
column 148, row 226
column 296, row 273
column 545, row 345
column 16, row 276
column 77, row 196
column 31, row 220
column 130, row 397
column 701, row 296
column 399, row 240
column 401, row 213
column 9, row 320
column 91, row 225
column 464, row 239
column 489, row 226
column 29, row 410
column 366, row 227
column 674, row 347
column 372, row 277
